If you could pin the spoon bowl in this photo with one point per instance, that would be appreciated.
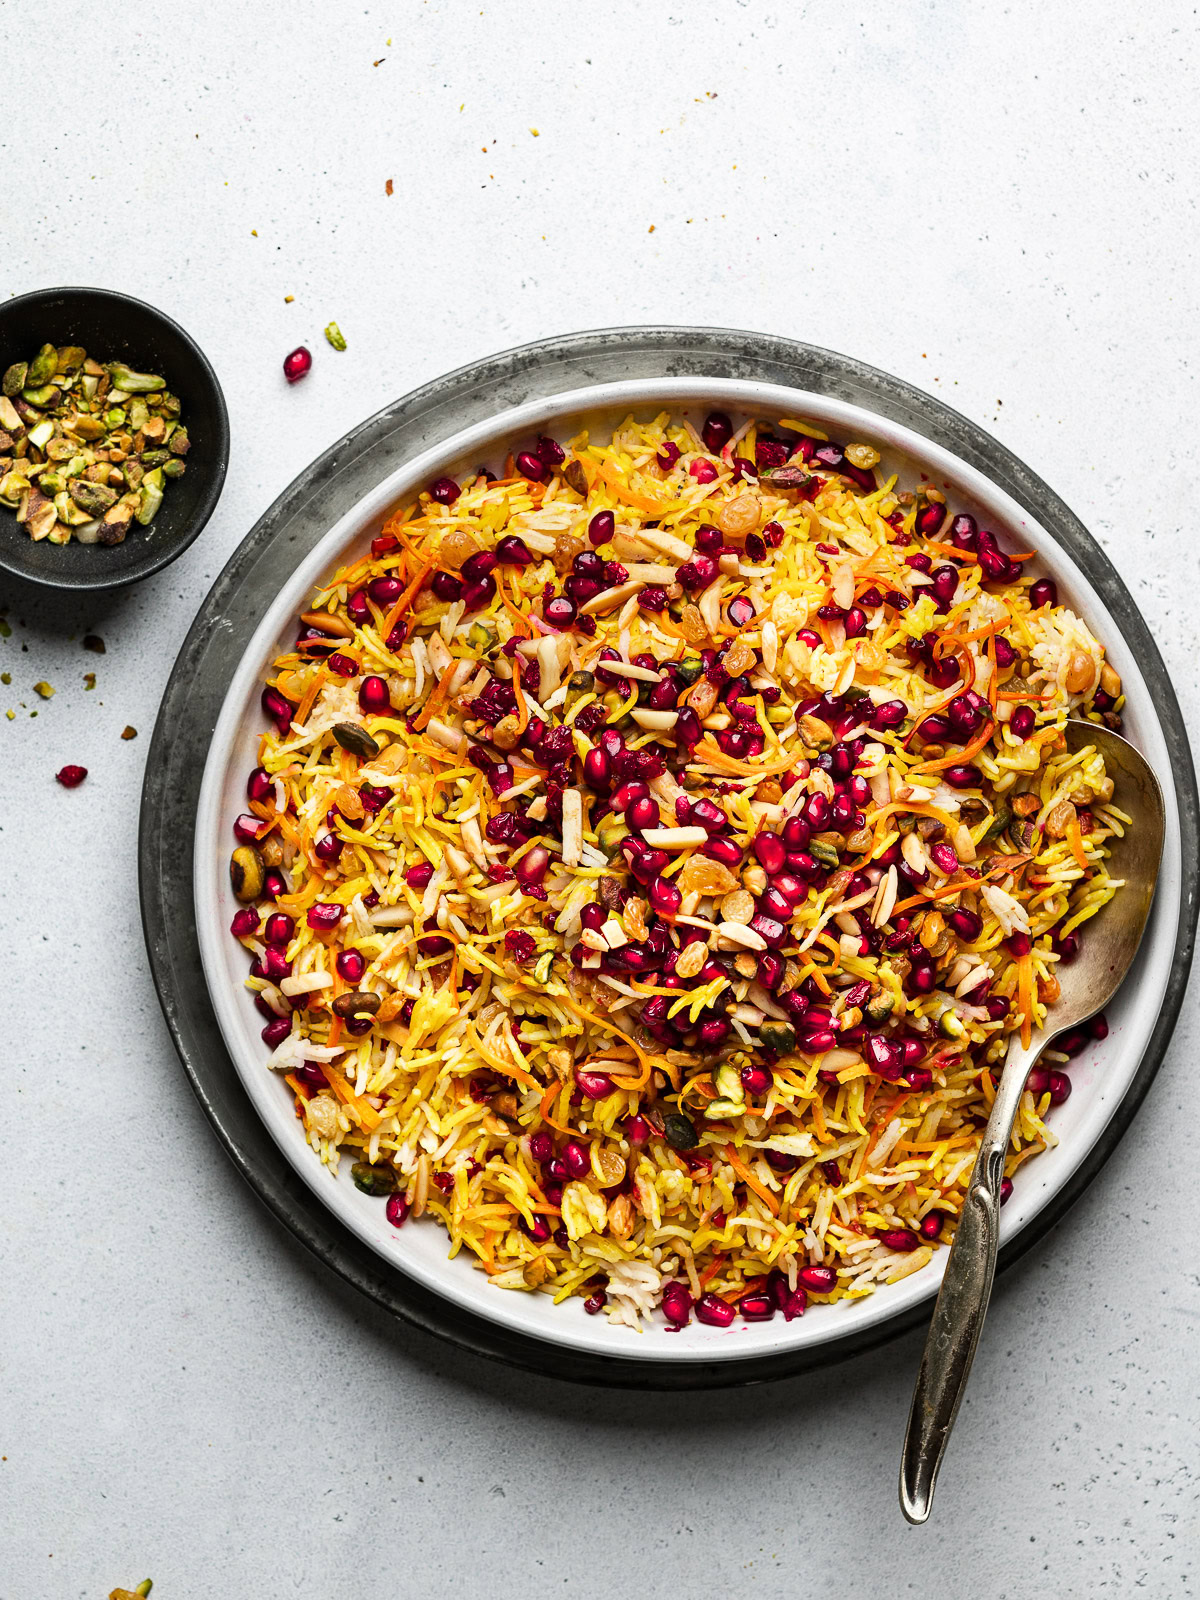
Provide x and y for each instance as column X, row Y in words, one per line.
column 1086, row 986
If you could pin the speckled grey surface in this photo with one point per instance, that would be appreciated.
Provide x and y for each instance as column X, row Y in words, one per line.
column 186, row 1396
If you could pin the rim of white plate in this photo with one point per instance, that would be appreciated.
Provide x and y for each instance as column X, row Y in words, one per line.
column 1100, row 1076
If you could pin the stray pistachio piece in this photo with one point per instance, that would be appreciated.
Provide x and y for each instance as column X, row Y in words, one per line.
column 15, row 378
column 335, row 336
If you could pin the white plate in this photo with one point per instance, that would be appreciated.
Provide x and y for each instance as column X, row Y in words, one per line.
column 1100, row 1076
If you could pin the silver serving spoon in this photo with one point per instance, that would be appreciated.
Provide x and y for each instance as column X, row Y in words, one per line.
column 1087, row 984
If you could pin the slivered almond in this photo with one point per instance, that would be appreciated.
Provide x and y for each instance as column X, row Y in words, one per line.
column 306, row 983
column 649, row 572
column 333, row 627
column 659, row 539
column 770, row 645
column 841, row 584
column 675, row 838
column 661, row 720
column 737, row 933
column 449, row 738
column 396, row 916
column 572, row 827
column 609, row 599
column 623, row 669
column 885, row 899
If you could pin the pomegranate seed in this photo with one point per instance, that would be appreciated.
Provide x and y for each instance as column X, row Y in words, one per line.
column 276, row 1031
column 1006, row 1188
column 756, row 1081
column 512, row 552
column 351, row 964
column 245, row 922
column 445, row 491
column 374, row 697
column 533, row 867
column 72, row 777
column 1022, row 721
column 280, row 928
column 637, row 1131
column 531, row 466
column 716, row 432
column 713, row 1310
column 702, row 471
column 821, row 1280
column 277, row 708
column 898, row 1239
column 601, row 528
column 757, row 1307
column 642, row 813
column 677, row 1305
column 665, row 897
column 770, row 850
column 1059, row 1086
column 324, row 915
column 576, row 1159
column 298, row 364
column 1043, row 593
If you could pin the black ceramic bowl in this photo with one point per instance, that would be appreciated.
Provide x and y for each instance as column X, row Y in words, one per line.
column 113, row 327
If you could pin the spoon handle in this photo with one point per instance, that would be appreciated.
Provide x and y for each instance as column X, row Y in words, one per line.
column 962, row 1302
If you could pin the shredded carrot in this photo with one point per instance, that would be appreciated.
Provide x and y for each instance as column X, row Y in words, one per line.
column 366, row 1114
column 961, row 757
column 435, row 701
column 1075, row 839
column 316, row 682
column 751, row 1181
column 547, row 1104
column 609, row 1027
column 405, row 600
column 621, row 489
column 522, row 703
column 1025, row 997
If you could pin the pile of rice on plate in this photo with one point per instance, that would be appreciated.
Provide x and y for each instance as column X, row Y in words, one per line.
column 652, row 852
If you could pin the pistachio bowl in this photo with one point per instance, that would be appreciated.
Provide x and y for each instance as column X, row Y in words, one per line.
column 115, row 327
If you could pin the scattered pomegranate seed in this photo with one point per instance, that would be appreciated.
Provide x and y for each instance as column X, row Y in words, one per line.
column 71, row 777
column 297, row 365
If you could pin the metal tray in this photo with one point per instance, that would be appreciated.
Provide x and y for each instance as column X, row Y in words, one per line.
column 232, row 610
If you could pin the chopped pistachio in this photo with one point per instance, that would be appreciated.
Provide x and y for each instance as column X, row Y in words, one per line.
column 131, row 382
column 15, row 378
column 44, row 689
column 43, row 366
column 151, row 497
column 335, row 336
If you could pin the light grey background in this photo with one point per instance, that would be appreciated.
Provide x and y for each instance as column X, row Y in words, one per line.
column 996, row 202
